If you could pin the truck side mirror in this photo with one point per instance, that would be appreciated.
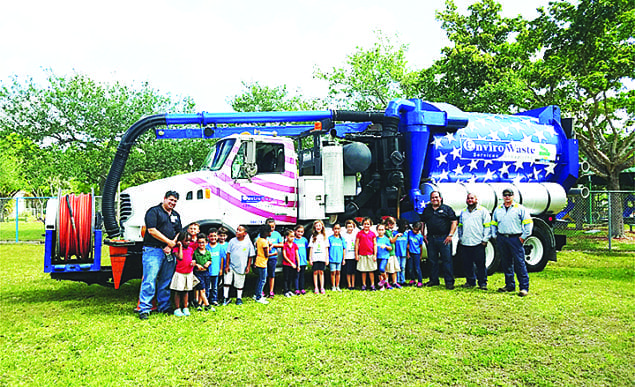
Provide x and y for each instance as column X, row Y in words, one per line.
column 250, row 166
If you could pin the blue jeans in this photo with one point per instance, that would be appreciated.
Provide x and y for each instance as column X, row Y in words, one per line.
column 415, row 266
column 300, row 278
column 157, row 275
column 474, row 256
column 401, row 275
column 262, row 278
column 439, row 251
column 513, row 260
column 213, row 288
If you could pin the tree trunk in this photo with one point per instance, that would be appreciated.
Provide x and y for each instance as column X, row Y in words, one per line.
column 617, row 206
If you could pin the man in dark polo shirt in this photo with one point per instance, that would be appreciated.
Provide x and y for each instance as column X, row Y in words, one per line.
column 440, row 223
column 162, row 227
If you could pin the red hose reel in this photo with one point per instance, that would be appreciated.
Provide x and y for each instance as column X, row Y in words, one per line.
column 75, row 215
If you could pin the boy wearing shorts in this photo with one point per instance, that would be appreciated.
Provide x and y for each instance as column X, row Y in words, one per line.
column 240, row 252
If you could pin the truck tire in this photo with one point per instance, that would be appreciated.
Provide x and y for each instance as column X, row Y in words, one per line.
column 540, row 247
column 492, row 258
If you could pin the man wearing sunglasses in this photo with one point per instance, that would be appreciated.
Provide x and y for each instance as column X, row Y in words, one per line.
column 511, row 225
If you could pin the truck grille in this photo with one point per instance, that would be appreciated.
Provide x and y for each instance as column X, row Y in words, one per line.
column 125, row 207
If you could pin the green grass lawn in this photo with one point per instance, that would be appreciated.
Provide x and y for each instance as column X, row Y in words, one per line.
column 27, row 231
column 576, row 327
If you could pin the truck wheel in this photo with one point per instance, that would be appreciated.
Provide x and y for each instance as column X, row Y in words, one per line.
column 492, row 259
column 540, row 247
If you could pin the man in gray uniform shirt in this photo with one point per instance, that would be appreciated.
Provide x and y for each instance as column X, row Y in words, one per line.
column 474, row 232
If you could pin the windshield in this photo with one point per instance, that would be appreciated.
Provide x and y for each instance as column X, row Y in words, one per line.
column 216, row 158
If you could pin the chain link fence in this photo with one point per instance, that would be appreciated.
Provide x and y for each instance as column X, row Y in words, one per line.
column 22, row 218
column 606, row 214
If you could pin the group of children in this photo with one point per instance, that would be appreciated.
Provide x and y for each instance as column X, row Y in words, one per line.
column 204, row 260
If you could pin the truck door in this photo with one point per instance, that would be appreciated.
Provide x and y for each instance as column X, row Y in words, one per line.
column 269, row 189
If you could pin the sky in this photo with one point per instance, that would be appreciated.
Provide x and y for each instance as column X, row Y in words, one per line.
column 205, row 49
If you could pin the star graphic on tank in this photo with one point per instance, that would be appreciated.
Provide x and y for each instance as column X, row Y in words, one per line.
column 518, row 165
column 540, row 134
column 536, row 174
column 441, row 159
column 437, row 141
column 458, row 170
column 550, row 169
column 518, row 179
column 505, row 168
column 472, row 179
column 473, row 164
column 443, row 175
column 494, row 136
column 549, row 129
column 450, row 137
column 487, row 162
column 456, row 153
column 489, row 175
column 526, row 138
column 505, row 130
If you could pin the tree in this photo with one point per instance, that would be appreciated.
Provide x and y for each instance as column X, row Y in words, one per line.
column 589, row 56
column 77, row 123
column 484, row 68
column 371, row 78
column 579, row 57
column 258, row 98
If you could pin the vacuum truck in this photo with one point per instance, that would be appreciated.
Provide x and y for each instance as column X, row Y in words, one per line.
column 299, row 166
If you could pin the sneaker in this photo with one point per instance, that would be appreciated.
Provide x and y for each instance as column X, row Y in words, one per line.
column 396, row 285
column 271, row 294
column 288, row 294
column 467, row 286
column 178, row 313
column 381, row 283
column 227, row 301
column 239, row 301
column 506, row 289
column 199, row 308
column 303, row 291
column 262, row 300
column 419, row 284
column 430, row 283
column 323, row 291
column 449, row 286
column 363, row 287
column 483, row 287
column 186, row 312
column 333, row 288
column 381, row 288
column 144, row 315
column 411, row 283
column 372, row 288
column 297, row 293
column 523, row 292
column 215, row 303
column 338, row 289
column 388, row 287
column 209, row 308
column 316, row 291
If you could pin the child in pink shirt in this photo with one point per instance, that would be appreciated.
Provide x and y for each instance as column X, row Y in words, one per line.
column 183, row 279
column 366, row 253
